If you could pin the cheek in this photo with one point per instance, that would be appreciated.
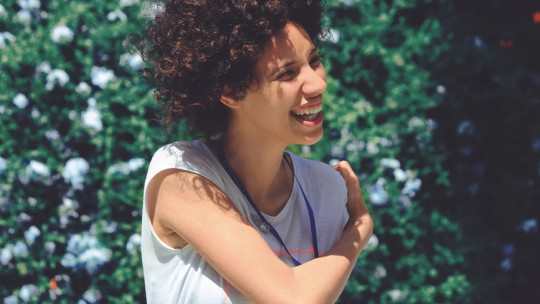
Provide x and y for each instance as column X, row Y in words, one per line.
column 322, row 72
column 280, row 92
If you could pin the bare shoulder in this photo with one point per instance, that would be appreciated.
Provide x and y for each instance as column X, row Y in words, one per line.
column 199, row 213
column 175, row 197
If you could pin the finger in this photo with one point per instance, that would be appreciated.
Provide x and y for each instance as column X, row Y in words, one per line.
column 344, row 168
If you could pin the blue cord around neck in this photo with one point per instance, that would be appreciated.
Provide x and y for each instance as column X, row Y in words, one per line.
column 269, row 226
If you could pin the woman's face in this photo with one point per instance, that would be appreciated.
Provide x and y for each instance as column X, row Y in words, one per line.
column 285, row 103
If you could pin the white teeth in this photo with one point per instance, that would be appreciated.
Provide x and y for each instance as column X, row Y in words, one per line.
column 308, row 111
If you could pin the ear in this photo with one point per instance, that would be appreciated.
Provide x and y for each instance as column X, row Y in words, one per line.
column 228, row 99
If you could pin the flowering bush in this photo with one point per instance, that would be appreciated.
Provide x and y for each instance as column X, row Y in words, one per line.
column 78, row 129
column 380, row 92
column 77, row 132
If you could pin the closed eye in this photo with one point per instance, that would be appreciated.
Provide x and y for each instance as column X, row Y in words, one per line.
column 286, row 75
column 315, row 61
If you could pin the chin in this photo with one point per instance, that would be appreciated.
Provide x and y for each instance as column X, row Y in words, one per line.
column 313, row 139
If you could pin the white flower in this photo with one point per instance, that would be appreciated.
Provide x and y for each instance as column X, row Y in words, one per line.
column 466, row 127
column 50, row 247
column 380, row 272
column 3, row 165
column 112, row 227
column 31, row 235
column 56, row 77
column 75, row 170
column 116, row 15
column 68, row 203
column 35, row 113
column 93, row 258
column 333, row 162
column 529, row 225
column 386, row 142
column 431, row 124
column 126, row 167
column 120, row 168
column 91, row 296
column 356, row 145
column 6, row 254
column 43, row 67
column 337, row 151
column 67, row 210
column 400, row 175
column 124, row 3
column 372, row 148
column 441, row 89
column 404, row 201
column 85, row 251
column 5, row 37
column 20, row 250
column 506, row 264
column 37, row 168
column 20, row 101
column 134, row 61
column 306, row 149
column 29, row 4
column 24, row 17
column 83, row 88
column 396, row 294
column 333, row 36
column 78, row 243
column 72, row 114
column 135, row 163
column 11, row 300
column 27, row 291
column 478, row 42
column 390, row 163
column 92, row 119
column 52, row 135
column 411, row 187
column 3, row 11
column 373, row 242
column 24, row 217
column 415, row 122
column 377, row 195
column 61, row 34
column 133, row 243
column 69, row 260
column 101, row 76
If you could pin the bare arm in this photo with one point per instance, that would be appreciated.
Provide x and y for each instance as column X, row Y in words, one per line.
column 202, row 215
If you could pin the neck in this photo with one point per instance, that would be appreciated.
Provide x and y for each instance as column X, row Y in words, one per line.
column 259, row 165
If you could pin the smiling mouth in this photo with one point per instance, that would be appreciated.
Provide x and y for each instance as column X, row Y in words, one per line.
column 308, row 114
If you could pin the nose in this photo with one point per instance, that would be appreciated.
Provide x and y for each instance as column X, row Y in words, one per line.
column 314, row 82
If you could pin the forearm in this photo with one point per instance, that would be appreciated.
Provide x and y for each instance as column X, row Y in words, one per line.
column 322, row 280
column 241, row 256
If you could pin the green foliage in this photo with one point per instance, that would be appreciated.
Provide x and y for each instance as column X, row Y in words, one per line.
column 79, row 127
column 376, row 108
column 70, row 90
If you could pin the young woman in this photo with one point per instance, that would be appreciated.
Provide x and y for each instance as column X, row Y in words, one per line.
column 235, row 218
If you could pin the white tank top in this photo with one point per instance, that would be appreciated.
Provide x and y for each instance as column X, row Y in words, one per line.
column 183, row 276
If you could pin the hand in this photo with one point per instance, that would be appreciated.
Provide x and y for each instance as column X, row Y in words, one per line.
column 355, row 202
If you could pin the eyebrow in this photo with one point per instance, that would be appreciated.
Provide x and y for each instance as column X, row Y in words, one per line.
column 288, row 64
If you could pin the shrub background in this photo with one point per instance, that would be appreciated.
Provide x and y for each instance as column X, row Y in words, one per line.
column 435, row 104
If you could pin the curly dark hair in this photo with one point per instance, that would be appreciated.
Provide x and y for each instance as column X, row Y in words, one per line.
column 197, row 47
